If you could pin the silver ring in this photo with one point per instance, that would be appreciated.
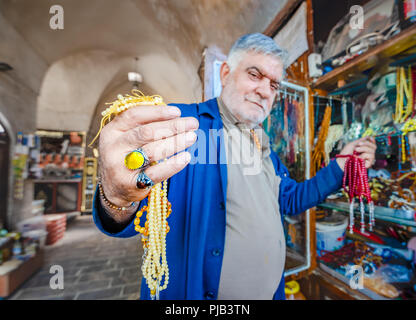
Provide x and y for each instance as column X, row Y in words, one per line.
column 143, row 181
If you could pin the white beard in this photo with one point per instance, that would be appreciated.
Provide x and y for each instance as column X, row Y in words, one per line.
column 233, row 102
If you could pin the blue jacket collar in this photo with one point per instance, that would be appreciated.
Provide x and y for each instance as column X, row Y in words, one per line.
column 209, row 107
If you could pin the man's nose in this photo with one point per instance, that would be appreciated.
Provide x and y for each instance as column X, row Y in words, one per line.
column 263, row 89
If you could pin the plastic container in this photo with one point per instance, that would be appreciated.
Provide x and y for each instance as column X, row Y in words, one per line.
column 37, row 235
column 330, row 233
column 292, row 291
column 35, row 223
column 38, row 207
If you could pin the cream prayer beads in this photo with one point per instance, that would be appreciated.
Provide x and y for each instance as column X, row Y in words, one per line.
column 123, row 103
column 154, row 233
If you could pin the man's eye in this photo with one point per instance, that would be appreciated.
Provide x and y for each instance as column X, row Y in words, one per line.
column 254, row 75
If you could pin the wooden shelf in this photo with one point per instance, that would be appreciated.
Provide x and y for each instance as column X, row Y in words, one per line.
column 10, row 281
column 376, row 56
column 344, row 207
column 76, row 180
column 339, row 285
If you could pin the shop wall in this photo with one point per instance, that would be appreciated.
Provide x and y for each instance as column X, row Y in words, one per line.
column 19, row 89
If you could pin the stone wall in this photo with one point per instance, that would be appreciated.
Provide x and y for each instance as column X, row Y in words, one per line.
column 19, row 89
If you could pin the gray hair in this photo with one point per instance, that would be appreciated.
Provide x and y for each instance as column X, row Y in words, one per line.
column 258, row 43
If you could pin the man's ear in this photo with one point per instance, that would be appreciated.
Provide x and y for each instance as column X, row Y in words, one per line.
column 224, row 73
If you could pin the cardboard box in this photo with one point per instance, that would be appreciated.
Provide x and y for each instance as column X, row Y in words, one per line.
column 6, row 249
column 10, row 281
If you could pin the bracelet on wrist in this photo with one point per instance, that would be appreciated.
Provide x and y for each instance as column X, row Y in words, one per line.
column 111, row 205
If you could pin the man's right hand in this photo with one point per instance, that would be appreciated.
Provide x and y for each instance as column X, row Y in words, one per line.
column 160, row 132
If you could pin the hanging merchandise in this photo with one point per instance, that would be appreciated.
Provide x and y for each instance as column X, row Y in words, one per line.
column 20, row 165
column 344, row 115
column 404, row 95
column 407, row 12
column 154, row 267
column 346, row 41
column 412, row 148
column 410, row 125
column 413, row 88
column 354, row 132
column 318, row 155
column 355, row 174
column 311, row 123
column 291, row 118
column 335, row 133
column 286, row 128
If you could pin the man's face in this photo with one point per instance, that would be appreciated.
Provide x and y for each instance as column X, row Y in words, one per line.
column 249, row 90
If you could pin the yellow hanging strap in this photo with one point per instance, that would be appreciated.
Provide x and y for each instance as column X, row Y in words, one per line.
column 318, row 154
column 403, row 92
column 123, row 103
column 410, row 125
column 369, row 133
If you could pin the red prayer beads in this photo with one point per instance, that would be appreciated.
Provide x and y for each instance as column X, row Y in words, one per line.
column 355, row 175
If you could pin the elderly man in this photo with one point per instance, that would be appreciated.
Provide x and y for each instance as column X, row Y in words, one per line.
column 226, row 238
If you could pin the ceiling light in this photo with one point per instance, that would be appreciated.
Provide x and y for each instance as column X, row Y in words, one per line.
column 135, row 77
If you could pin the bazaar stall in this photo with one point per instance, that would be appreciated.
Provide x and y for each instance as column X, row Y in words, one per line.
column 361, row 82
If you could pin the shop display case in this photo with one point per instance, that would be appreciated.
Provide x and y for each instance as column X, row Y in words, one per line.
column 358, row 84
column 383, row 258
column 89, row 182
column 61, row 168
column 288, row 129
column 61, row 196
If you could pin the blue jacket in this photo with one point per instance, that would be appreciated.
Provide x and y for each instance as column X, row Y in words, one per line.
column 195, row 242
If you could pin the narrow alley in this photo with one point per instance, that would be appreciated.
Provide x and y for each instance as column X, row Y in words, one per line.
column 95, row 266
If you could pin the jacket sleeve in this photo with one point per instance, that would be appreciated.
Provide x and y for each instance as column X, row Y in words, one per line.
column 105, row 225
column 297, row 197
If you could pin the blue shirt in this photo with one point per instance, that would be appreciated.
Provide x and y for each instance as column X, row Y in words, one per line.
column 196, row 240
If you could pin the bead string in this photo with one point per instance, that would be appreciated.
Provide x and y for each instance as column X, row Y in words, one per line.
column 318, row 155
column 357, row 252
column 403, row 91
column 355, row 184
column 109, row 204
column 410, row 125
column 154, row 268
column 154, row 233
column 123, row 103
column 256, row 139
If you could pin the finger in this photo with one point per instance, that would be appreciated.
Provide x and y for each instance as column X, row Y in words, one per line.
column 369, row 138
column 159, row 130
column 368, row 158
column 365, row 140
column 369, row 161
column 367, row 144
column 140, row 115
column 163, row 149
column 168, row 168
column 365, row 149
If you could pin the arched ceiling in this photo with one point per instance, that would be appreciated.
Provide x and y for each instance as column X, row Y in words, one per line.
column 92, row 55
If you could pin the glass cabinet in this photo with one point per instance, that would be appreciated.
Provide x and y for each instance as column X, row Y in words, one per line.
column 288, row 129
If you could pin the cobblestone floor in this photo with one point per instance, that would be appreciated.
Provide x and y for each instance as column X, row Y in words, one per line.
column 96, row 266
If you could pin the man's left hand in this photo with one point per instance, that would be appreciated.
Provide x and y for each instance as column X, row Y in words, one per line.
column 366, row 149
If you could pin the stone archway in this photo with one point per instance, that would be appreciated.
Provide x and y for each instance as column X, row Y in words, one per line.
column 7, row 142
